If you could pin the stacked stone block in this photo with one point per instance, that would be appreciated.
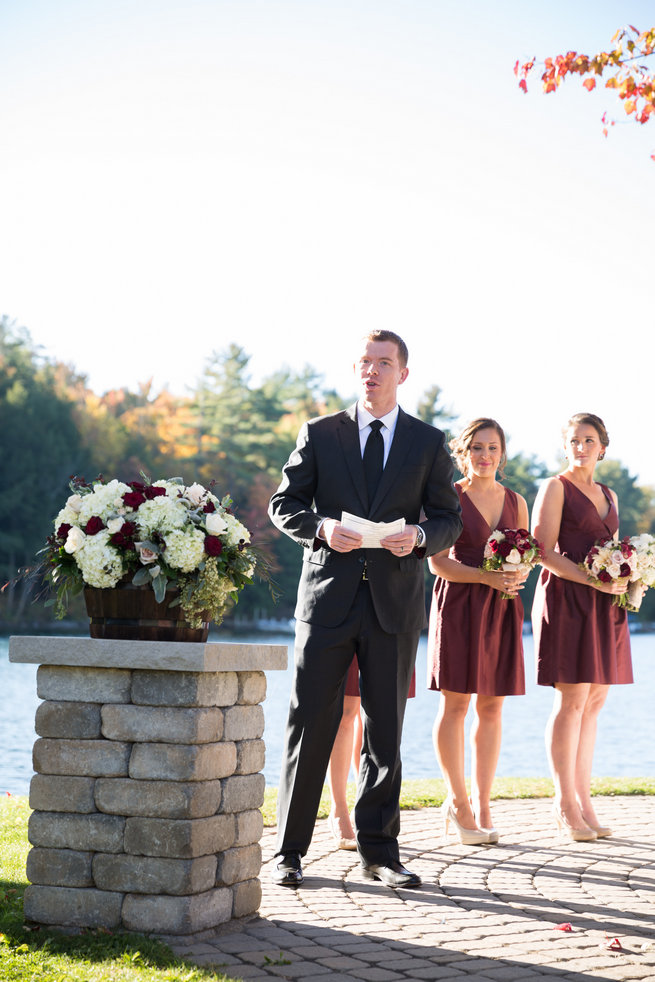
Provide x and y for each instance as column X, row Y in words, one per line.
column 146, row 798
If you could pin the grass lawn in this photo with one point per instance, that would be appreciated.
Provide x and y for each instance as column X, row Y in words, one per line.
column 41, row 955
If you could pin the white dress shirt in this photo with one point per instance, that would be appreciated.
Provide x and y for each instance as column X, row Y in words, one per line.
column 364, row 420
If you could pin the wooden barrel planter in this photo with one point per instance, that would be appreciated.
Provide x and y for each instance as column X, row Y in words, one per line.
column 131, row 613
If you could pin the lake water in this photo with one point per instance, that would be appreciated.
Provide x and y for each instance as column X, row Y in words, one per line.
column 625, row 745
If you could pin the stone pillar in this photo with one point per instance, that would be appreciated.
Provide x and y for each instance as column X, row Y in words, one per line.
column 148, row 785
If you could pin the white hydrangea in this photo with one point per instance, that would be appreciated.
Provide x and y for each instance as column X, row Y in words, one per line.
column 104, row 500
column 235, row 531
column 66, row 516
column 101, row 565
column 185, row 550
column 162, row 514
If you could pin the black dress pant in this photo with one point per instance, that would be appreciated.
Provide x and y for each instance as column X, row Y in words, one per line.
column 322, row 658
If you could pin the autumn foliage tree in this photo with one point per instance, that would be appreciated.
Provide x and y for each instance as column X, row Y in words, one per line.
column 624, row 67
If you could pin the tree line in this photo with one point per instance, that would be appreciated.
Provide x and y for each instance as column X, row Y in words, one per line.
column 228, row 430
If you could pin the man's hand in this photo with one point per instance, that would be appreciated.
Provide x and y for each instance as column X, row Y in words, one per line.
column 402, row 543
column 338, row 537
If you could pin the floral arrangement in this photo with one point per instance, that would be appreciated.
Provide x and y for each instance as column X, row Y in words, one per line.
column 612, row 559
column 644, row 572
column 511, row 549
column 163, row 534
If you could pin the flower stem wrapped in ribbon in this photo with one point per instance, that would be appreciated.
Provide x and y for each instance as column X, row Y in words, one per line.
column 511, row 549
column 612, row 559
column 165, row 535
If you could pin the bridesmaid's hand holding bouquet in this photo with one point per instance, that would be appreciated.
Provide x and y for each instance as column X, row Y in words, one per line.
column 511, row 549
column 610, row 560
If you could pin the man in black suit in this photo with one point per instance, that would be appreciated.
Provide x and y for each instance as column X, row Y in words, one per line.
column 368, row 601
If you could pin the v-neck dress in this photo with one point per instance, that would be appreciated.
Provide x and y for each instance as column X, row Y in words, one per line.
column 476, row 638
column 579, row 635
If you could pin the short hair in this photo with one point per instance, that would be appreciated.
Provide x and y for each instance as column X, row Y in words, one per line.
column 381, row 335
column 460, row 444
column 589, row 419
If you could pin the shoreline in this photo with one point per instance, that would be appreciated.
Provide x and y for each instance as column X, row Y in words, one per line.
column 238, row 629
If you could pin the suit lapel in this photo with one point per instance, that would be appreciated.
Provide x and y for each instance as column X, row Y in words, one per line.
column 349, row 437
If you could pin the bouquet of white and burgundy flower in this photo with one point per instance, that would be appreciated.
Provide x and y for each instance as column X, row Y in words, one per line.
column 612, row 559
column 511, row 549
column 643, row 575
column 161, row 534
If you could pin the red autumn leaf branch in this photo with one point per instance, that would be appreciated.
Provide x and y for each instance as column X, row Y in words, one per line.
column 629, row 75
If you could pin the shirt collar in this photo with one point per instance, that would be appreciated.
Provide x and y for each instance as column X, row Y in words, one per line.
column 364, row 418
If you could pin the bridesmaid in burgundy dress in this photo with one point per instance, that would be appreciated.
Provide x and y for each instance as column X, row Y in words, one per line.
column 582, row 643
column 475, row 641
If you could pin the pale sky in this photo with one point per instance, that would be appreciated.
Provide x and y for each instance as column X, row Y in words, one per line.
column 177, row 176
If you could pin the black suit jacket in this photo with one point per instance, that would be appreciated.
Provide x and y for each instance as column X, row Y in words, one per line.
column 324, row 476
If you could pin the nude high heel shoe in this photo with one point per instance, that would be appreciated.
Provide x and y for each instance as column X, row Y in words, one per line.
column 468, row 837
column 341, row 841
column 492, row 833
column 576, row 835
column 602, row 831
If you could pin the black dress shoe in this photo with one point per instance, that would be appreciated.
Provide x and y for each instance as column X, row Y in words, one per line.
column 393, row 874
column 288, row 872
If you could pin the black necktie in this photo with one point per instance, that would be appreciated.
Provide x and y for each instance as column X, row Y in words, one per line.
column 373, row 458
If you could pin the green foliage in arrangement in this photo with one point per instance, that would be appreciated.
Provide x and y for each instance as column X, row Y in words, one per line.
column 91, row 956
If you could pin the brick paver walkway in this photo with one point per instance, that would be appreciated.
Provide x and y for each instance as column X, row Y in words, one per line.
column 484, row 913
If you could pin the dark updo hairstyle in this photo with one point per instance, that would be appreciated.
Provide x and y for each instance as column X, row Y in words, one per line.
column 589, row 419
column 460, row 444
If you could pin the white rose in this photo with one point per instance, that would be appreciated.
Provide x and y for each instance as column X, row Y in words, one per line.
column 514, row 557
column 195, row 493
column 215, row 523
column 614, row 570
column 74, row 503
column 74, row 540
column 115, row 524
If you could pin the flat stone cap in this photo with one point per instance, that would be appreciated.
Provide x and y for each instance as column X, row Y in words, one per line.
column 166, row 656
